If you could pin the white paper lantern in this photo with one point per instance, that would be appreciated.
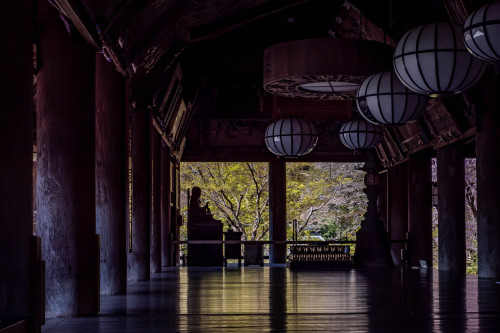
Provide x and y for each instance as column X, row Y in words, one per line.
column 359, row 134
column 432, row 59
column 382, row 99
column 291, row 137
column 481, row 32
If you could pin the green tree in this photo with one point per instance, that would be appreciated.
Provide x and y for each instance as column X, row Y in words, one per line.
column 239, row 192
column 317, row 194
column 326, row 198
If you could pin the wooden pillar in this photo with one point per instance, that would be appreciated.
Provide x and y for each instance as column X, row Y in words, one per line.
column 382, row 199
column 166, row 239
column 451, row 208
column 420, row 208
column 397, row 208
column 175, row 221
column 16, row 156
column 139, row 256
column 110, row 177
column 277, row 210
column 155, row 200
column 66, row 168
column 488, row 179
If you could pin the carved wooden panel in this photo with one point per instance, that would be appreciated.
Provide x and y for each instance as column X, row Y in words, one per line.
column 440, row 121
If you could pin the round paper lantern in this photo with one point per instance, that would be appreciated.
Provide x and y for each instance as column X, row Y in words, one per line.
column 481, row 32
column 291, row 136
column 432, row 59
column 383, row 99
column 358, row 134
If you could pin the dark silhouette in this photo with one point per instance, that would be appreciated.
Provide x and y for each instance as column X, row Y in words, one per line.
column 197, row 212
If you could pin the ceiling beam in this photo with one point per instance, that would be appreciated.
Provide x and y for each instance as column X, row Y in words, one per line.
column 81, row 19
column 261, row 154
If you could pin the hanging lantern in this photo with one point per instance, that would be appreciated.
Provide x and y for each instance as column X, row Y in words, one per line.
column 359, row 134
column 291, row 137
column 382, row 99
column 481, row 31
column 432, row 59
column 323, row 68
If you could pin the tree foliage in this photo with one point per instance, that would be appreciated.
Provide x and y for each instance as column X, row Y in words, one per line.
column 238, row 193
column 326, row 198
column 471, row 215
column 318, row 194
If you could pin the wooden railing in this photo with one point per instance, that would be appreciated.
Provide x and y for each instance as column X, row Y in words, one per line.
column 335, row 255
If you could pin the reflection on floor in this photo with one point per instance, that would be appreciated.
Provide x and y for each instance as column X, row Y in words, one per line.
column 256, row 299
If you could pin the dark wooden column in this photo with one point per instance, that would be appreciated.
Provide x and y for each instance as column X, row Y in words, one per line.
column 139, row 258
column 451, row 208
column 420, row 208
column 166, row 239
column 488, row 179
column 175, row 208
column 277, row 210
column 382, row 202
column 110, row 176
column 66, row 168
column 16, row 156
column 397, row 208
column 155, row 200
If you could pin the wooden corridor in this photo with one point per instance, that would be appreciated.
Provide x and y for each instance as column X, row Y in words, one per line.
column 276, row 299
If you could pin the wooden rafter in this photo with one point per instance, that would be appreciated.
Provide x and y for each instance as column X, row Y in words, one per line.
column 80, row 18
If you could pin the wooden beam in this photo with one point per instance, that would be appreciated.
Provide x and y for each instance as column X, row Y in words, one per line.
column 215, row 28
column 81, row 19
column 260, row 154
column 311, row 108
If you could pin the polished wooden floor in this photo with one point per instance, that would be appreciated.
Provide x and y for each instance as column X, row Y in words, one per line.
column 276, row 299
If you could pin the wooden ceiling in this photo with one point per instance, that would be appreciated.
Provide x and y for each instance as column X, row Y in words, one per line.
column 197, row 65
